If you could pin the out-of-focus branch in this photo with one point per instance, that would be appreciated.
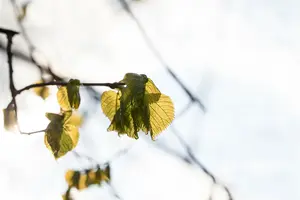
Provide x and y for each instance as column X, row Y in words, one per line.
column 192, row 156
column 192, row 97
column 14, row 92
column 116, row 156
column 32, row 48
column 158, row 55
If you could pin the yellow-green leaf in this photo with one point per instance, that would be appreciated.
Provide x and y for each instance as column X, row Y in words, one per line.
column 138, row 106
column 110, row 103
column 76, row 119
column 151, row 87
column 61, row 136
column 161, row 115
column 86, row 178
column 43, row 92
column 69, row 177
column 68, row 96
column 62, row 98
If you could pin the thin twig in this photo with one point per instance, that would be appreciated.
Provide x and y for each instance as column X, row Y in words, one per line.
column 33, row 132
column 9, row 35
column 192, row 97
column 108, row 162
column 95, row 162
column 199, row 164
column 114, row 192
column 158, row 55
column 43, row 69
column 111, row 85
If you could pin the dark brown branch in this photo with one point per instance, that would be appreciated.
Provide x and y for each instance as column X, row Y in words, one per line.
column 56, row 83
column 8, row 32
column 43, row 69
column 9, row 35
column 20, row 55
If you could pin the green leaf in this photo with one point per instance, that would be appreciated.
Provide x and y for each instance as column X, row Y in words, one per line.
column 73, row 93
column 61, row 136
column 54, row 117
column 68, row 96
column 137, row 107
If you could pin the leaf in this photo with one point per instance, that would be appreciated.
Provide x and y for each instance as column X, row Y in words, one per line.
column 110, row 103
column 54, row 117
column 73, row 93
column 43, row 92
column 82, row 182
column 76, row 119
column 68, row 96
column 69, row 177
column 138, row 106
column 161, row 115
column 10, row 120
column 61, row 136
column 83, row 179
column 62, row 98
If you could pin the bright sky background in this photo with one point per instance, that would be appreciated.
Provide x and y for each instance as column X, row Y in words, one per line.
column 241, row 57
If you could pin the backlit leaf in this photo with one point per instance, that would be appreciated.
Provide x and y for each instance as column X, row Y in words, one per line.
column 62, row 98
column 76, row 119
column 43, row 92
column 69, row 177
column 68, row 96
column 110, row 103
column 139, row 106
column 61, row 136
column 161, row 115
column 83, row 179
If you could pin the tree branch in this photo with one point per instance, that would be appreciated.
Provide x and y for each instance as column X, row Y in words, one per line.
column 199, row 164
column 159, row 57
column 114, row 157
column 52, row 83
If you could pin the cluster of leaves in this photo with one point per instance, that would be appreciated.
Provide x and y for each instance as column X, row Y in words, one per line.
column 61, row 135
column 84, row 179
column 138, row 106
column 135, row 105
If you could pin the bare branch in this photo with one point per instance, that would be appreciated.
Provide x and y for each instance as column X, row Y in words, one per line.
column 199, row 164
column 111, row 85
column 158, row 55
